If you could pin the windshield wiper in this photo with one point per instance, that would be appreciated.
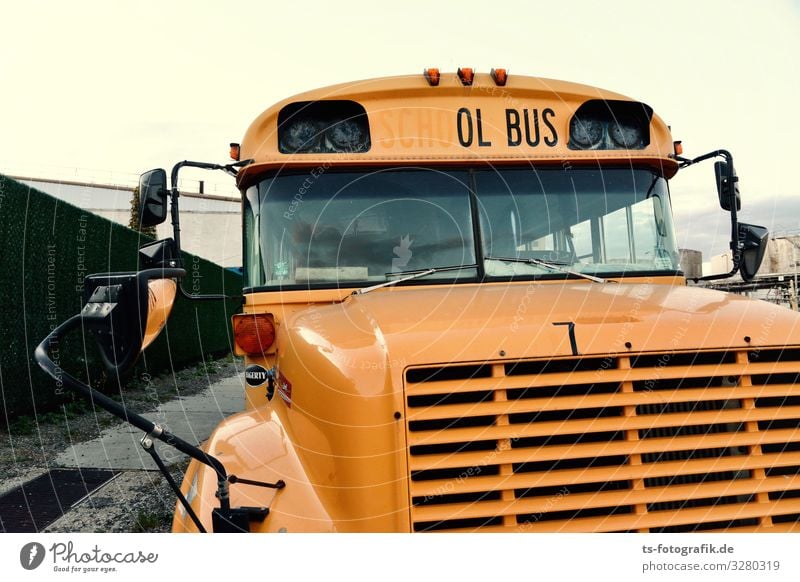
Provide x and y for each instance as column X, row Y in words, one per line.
column 410, row 275
column 549, row 265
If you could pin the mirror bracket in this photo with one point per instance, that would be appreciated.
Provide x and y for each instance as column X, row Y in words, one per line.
column 160, row 254
column 155, row 254
column 727, row 188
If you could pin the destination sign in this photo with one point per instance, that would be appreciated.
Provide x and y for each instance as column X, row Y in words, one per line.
column 467, row 127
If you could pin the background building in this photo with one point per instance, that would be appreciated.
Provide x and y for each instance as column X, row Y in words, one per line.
column 211, row 225
column 777, row 279
column 691, row 263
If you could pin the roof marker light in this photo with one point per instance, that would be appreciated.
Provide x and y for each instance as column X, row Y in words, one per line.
column 500, row 76
column 466, row 75
column 235, row 151
column 432, row 76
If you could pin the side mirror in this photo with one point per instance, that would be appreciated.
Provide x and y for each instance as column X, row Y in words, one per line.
column 727, row 185
column 152, row 198
column 159, row 254
column 127, row 311
column 754, row 244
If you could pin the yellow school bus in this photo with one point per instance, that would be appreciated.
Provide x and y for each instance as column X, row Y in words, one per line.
column 464, row 311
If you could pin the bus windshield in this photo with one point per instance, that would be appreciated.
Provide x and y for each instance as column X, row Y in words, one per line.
column 327, row 228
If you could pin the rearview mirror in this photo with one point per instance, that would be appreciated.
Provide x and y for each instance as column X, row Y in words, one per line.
column 754, row 244
column 161, row 253
column 152, row 198
column 727, row 185
column 127, row 311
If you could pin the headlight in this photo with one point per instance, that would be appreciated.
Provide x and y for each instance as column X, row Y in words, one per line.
column 323, row 127
column 587, row 134
column 301, row 136
column 625, row 135
column 346, row 136
column 606, row 124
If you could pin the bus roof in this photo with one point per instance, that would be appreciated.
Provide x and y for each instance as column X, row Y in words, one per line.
column 413, row 122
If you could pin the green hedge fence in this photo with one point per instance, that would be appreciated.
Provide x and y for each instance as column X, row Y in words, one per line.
column 47, row 247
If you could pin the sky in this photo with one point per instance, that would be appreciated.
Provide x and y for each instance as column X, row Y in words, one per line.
column 111, row 89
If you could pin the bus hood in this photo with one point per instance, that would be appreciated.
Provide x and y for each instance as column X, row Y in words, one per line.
column 342, row 379
column 479, row 322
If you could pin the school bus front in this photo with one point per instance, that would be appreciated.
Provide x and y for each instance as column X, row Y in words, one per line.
column 464, row 311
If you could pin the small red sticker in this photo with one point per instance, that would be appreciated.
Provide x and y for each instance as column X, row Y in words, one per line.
column 284, row 389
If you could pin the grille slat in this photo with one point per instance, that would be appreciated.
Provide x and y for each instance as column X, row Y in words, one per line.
column 597, row 376
column 443, row 461
column 453, row 411
column 480, row 509
column 465, row 482
column 658, row 519
column 661, row 442
column 604, row 424
column 776, row 528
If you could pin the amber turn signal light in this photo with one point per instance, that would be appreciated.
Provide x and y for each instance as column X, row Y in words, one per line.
column 254, row 333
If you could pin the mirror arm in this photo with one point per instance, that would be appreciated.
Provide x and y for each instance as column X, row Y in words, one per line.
column 176, row 223
column 147, row 445
column 736, row 245
column 175, row 194
column 41, row 355
column 685, row 162
column 208, row 297
column 721, row 275
column 189, row 164
column 230, row 169
column 233, row 169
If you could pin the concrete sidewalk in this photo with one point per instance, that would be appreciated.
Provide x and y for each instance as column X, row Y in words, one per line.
column 192, row 418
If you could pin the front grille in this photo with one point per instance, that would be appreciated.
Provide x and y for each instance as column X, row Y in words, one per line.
column 672, row 442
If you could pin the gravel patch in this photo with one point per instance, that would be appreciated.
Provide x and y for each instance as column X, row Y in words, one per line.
column 134, row 501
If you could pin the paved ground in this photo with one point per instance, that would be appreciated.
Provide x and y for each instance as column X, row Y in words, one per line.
column 138, row 498
column 192, row 418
